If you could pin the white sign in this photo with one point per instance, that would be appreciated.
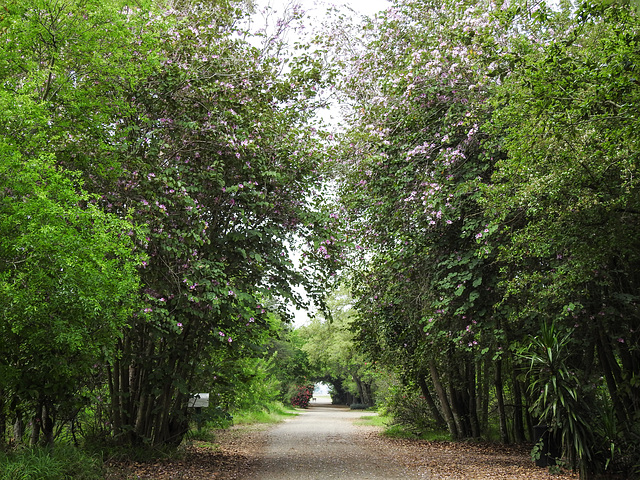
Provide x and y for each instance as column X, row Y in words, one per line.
column 199, row 400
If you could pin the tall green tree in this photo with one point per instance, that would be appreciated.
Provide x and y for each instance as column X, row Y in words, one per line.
column 333, row 353
column 68, row 285
column 567, row 194
column 67, row 268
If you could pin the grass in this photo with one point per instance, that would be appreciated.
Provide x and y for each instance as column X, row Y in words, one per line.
column 274, row 412
column 377, row 420
column 400, row 431
column 63, row 462
column 67, row 462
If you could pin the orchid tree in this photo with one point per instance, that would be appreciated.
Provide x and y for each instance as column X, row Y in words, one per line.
column 415, row 158
column 218, row 160
column 171, row 118
column 488, row 143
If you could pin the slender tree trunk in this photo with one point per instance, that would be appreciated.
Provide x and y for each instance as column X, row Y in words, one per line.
column 3, row 419
column 518, row 423
column 504, row 435
column 18, row 428
column 473, row 411
column 484, row 396
column 435, row 413
column 457, row 410
column 47, row 423
column 36, row 425
column 368, row 392
column 444, row 401
column 361, row 397
column 114, row 391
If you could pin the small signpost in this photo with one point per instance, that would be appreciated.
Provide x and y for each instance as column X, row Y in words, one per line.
column 198, row 401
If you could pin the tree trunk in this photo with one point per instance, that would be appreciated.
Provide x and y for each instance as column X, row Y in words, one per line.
column 458, row 412
column 444, row 401
column 518, row 423
column 369, row 393
column 361, row 394
column 18, row 428
column 47, row 424
column 3, row 419
column 435, row 413
column 504, row 435
column 471, row 389
column 36, row 426
column 483, row 398
column 114, row 396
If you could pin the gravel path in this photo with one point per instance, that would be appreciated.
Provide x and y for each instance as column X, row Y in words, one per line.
column 320, row 443
column 325, row 442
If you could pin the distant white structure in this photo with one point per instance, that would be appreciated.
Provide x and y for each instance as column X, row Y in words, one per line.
column 321, row 389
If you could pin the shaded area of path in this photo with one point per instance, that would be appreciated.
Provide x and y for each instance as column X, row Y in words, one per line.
column 323, row 443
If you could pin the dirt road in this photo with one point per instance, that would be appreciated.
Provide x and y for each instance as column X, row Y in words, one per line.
column 322, row 443
column 326, row 442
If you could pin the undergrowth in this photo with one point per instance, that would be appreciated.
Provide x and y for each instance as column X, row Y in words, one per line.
column 273, row 412
column 402, row 431
column 63, row 462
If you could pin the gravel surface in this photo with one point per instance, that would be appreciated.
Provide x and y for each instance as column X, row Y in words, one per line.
column 325, row 442
column 321, row 443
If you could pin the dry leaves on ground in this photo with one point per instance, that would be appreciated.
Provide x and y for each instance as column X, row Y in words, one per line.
column 239, row 448
column 231, row 457
column 465, row 461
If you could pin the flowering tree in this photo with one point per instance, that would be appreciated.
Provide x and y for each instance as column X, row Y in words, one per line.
column 480, row 157
column 416, row 160
column 219, row 164
column 178, row 124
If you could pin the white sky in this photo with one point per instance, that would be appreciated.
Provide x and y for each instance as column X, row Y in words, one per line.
column 365, row 7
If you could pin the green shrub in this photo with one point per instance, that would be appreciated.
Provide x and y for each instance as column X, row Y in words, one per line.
column 408, row 409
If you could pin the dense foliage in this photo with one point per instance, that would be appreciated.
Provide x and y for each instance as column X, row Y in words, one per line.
column 157, row 165
column 490, row 184
column 335, row 360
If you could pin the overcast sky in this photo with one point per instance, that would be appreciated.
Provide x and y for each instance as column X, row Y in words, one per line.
column 365, row 7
